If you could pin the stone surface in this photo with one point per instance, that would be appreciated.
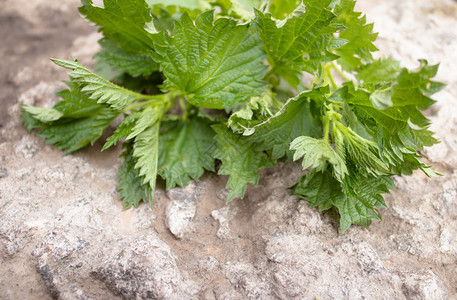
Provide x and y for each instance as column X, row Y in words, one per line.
column 64, row 233
column 422, row 284
column 143, row 269
column 223, row 216
column 181, row 210
column 299, row 261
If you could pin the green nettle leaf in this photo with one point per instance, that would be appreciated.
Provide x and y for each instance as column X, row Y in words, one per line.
column 214, row 65
column 361, row 151
column 316, row 154
column 122, row 21
column 382, row 99
column 412, row 88
column 409, row 97
column 293, row 120
column 123, row 130
column 164, row 17
column 302, row 42
column 362, row 196
column 75, row 103
column 131, row 188
column 240, row 159
column 219, row 85
column 72, row 135
column 185, row 150
column 358, row 34
column 147, row 118
column 239, row 9
column 319, row 188
column 146, row 153
column 98, row 88
column 135, row 64
column 42, row 114
column 29, row 121
column 81, row 120
column 252, row 112
column 280, row 9
column 381, row 70
column 356, row 198
column 190, row 4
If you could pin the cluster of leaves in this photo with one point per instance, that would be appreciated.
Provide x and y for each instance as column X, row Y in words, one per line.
column 203, row 81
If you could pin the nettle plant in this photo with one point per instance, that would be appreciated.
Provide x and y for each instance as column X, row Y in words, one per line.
column 241, row 85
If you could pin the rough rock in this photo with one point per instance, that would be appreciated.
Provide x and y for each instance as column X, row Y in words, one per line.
column 13, row 238
column 304, row 267
column 55, row 251
column 27, row 147
column 422, row 284
column 248, row 280
column 144, row 269
column 182, row 208
column 44, row 93
column 223, row 216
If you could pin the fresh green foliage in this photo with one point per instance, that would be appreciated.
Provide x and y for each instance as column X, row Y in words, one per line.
column 123, row 22
column 214, row 64
column 220, row 85
column 294, row 119
column 280, row 9
column 135, row 64
column 356, row 198
column 73, row 123
column 240, row 159
column 97, row 88
column 302, row 42
column 44, row 115
column 185, row 150
column 358, row 34
column 131, row 187
column 316, row 154
column 146, row 153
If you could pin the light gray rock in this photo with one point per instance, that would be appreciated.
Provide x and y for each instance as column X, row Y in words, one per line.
column 181, row 210
column 208, row 263
column 27, row 147
column 145, row 269
column 12, row 237
column 422, row 284
column 55, row 249
column 224, row 215
column 44, row 93
column 64, row 262
column 247, row 280
column 179, row 215
column 226, row 292
column 3, row 173
column 307, row 267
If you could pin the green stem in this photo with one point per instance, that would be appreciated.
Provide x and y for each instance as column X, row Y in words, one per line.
column 186, row 107
column 326, row 127
column 140, row 104
column 330, row 116
column 327, row 76
column 272, row 78
column 340, row 72
column 160, row 97
column 151, row 99
column 332, row 80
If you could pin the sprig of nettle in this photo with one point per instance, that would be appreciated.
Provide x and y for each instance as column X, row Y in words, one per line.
column 203, row 83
